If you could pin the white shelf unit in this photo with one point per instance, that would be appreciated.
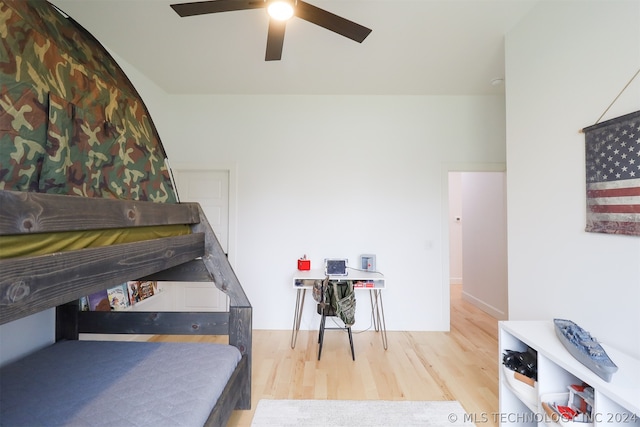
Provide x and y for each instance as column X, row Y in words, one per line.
column 616, row 403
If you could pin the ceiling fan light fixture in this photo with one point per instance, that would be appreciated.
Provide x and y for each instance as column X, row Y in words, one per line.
column 280, row 10
column 277, row 22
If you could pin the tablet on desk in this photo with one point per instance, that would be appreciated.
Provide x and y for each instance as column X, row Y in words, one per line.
column 335, row 266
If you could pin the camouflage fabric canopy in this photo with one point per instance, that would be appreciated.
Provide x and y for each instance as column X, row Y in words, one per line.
column 70, row 120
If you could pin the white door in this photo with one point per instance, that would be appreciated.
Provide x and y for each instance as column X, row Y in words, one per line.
column 210, row 188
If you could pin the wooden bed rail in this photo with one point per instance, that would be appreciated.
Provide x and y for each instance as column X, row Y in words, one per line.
column 28, row 212
column 32, row 284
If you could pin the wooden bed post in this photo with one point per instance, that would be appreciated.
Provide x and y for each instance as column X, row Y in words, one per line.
column 240, row 337
column 240, row 311
column 67, row 321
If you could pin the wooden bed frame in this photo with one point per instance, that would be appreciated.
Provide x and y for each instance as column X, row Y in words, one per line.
column 31, row 284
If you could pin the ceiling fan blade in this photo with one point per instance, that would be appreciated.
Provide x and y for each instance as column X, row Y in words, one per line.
column 275, row 40
column 215, row 6
column 332, row 22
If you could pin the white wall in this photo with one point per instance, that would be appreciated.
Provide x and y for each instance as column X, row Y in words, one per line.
column 566, row 62
column 484, row 242
column 331, row 176
column 26, row 335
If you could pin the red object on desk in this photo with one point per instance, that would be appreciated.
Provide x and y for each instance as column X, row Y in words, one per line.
column 304, row 264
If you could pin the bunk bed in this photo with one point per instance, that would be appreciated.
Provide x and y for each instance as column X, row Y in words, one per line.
column 87, row 203
column 47, row 387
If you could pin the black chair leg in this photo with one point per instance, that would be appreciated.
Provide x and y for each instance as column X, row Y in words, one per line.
column 353, row 354
column 321, row 336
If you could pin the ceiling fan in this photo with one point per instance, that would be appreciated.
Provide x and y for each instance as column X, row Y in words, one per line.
column 275, row 37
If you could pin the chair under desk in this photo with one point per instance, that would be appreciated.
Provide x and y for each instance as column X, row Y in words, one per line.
column 371, row 281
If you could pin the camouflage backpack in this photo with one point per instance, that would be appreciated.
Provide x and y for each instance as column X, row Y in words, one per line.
column 318, row 289
column 345, row 302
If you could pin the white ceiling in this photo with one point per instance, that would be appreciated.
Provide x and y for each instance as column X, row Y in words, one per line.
column 417, row 47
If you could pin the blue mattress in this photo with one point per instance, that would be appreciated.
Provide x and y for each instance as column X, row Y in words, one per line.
column 100, row 383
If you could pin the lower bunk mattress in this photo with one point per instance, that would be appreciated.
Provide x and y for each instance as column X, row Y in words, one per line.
column 109, row 383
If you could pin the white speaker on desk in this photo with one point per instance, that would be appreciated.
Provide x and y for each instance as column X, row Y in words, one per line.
column 368, row 262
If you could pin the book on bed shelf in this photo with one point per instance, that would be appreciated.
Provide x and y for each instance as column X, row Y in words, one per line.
column 119, row 298
column 83, row 304
column 141, row 290
column 99, row 301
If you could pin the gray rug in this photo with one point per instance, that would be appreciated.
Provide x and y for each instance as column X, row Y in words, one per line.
column 354, row 413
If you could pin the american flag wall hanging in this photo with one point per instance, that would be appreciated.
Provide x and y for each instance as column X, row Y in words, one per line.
column 613, row 175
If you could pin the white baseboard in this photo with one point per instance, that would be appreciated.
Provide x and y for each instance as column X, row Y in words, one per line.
column 487, row 308
column 455, row 280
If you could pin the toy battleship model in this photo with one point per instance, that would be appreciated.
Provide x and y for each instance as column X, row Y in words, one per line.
column 585, row 348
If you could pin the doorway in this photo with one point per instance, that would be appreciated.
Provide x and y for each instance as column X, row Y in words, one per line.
column 478, row 240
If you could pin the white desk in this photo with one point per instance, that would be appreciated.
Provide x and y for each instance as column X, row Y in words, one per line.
column 362, row 281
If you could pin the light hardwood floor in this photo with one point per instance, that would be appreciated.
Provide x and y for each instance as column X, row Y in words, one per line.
column 457, row 365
